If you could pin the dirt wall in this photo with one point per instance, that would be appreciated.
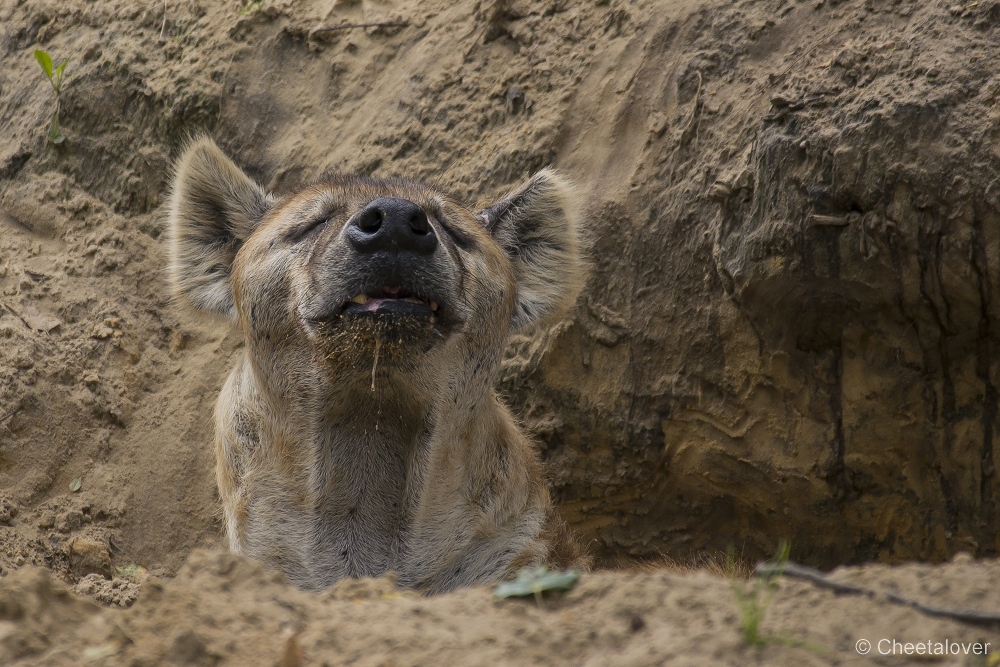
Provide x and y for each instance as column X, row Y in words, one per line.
column 790, row 324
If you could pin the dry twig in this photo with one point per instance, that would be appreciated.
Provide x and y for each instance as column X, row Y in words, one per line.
column 816, row 577
column 163, row 26
column 14, row 220
column 352, row 26
column 694, row 107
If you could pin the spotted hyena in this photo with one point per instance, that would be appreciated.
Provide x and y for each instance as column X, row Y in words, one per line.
column 359, row 431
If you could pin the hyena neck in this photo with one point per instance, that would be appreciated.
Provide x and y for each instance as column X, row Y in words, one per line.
column 392, row 416
column 372, row 473
column 369, row 435
column 397, row 415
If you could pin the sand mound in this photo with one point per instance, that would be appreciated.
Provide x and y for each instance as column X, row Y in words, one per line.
column 221, row 609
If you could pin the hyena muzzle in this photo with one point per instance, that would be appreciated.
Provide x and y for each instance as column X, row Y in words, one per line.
column 359, row 431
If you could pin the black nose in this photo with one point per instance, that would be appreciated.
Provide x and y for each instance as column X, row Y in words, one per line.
column 390, row 223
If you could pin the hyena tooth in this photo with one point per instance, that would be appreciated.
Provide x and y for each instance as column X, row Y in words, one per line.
column 434, row 305
column 361, row 298
column 432, row 319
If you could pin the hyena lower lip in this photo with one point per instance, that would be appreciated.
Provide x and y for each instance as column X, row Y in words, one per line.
column 391, row 307
column 392, row 301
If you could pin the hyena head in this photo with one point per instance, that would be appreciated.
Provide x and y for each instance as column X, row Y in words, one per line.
column 350, row 274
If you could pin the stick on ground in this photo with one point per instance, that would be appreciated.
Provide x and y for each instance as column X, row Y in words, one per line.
column 816, row 577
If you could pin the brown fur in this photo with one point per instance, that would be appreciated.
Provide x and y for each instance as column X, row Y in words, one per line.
column 351, row 447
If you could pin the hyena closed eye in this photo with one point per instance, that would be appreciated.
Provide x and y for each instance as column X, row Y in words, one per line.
column 359, row 431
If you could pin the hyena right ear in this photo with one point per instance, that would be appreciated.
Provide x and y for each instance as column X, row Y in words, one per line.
column 539, row 227
column 213, row 209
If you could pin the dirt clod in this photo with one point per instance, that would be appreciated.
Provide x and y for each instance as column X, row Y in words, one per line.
column 117, row 592
column 8, row 510
column 88, row 556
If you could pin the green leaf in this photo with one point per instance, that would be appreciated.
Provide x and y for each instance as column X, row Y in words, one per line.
column 133, row 571
column 103, row 651
column 58, row 76
column 537, row 580
column 45, row 61
column 55, row 134
column 75, row 485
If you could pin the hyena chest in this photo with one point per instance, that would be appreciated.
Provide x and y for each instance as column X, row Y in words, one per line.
column 360, row 517
column 318, row 547
column 348, row 516
column 364, row 539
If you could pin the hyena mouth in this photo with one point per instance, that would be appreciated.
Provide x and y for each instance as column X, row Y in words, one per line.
column 394, row 302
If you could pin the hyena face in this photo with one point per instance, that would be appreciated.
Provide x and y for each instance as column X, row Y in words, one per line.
column 369, row 271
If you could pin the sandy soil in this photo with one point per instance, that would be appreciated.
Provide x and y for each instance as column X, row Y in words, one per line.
column 728, row 378
column 221, row 609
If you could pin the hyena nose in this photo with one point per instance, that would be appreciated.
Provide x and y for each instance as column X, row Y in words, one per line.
column 391, row 223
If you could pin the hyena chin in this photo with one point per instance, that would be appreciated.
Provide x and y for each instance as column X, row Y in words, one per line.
column 359, row 431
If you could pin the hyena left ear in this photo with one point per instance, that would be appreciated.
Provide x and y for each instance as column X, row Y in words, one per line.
column 538, row 225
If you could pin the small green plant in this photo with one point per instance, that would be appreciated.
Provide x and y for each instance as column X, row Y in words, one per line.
column 251, row 7
column 55, row 76
column 753, row 598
